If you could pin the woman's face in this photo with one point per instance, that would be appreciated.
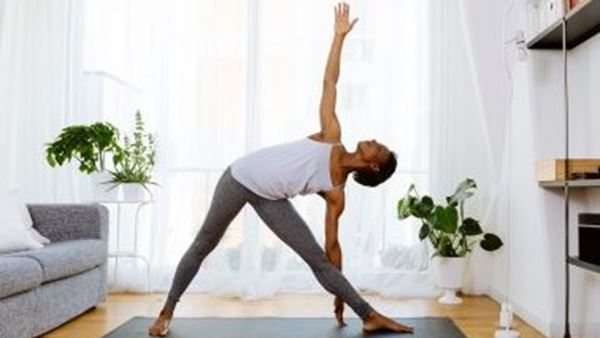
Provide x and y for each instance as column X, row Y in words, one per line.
column 372, row 152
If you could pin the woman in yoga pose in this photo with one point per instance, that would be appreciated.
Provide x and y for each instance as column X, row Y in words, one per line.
column 266, row 179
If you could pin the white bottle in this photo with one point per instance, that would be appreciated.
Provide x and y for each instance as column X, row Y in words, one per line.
column 506, row 323
column 506, row 316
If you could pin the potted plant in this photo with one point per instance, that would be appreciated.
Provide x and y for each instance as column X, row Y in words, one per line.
column 451, row 234
column 89, row 146
column 135, row 161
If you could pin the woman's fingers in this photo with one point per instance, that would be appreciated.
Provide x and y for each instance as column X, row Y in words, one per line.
column 342, row 14
column 338, row 11
column 342, row 9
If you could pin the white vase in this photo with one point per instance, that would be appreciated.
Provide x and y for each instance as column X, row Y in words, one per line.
column 449, row 274
column 131, row 192
column 103, row 192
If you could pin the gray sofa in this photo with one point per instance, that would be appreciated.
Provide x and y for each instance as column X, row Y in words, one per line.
column 43, row 288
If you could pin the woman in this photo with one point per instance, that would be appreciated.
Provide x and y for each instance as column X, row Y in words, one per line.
column 266, row 180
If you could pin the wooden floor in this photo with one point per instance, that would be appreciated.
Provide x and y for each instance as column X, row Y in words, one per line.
column 477, row 317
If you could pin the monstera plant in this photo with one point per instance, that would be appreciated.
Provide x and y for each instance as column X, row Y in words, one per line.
column 452, row 235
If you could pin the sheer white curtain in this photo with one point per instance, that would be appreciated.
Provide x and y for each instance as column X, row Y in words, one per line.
column 469, row 132
column 217, row 79
column 40, row 42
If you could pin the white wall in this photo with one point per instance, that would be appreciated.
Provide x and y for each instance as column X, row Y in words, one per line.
column 535, row 215
column 2, row 3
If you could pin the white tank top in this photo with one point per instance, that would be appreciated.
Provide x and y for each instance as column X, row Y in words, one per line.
column 286, row 170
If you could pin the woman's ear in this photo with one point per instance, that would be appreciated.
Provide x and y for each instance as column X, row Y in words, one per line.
column 374, row 167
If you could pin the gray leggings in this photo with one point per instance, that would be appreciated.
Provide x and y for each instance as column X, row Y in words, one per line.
column 281, row 217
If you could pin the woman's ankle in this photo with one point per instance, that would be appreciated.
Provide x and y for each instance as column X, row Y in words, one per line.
column 166, row 312
column 371, row 315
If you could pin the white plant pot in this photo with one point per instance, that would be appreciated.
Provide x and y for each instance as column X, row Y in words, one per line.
column 449, row 274
column 132, row 192
column 103, row 192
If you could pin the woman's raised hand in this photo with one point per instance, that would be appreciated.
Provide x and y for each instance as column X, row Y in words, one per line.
column 342, row 19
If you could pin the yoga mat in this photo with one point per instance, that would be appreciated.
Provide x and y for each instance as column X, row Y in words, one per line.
column 266, row 327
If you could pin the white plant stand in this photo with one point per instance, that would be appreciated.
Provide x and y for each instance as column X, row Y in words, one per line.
column 118, row 253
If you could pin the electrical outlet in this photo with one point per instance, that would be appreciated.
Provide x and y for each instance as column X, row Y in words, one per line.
column 518, row 39
column 521, row 45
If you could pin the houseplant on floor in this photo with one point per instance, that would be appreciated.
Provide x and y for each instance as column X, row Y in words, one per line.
column 90, row 147
column 452, row 236
column 135, row 161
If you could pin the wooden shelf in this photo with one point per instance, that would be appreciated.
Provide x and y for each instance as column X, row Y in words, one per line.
column 583, row 22
column 584, row 265
column 595, row 183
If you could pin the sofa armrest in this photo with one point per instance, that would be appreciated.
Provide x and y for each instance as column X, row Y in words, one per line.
column 60, row 222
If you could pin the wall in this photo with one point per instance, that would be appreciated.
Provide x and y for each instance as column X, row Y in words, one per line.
column 535, row 215
column 1, row 16
column 2, row 4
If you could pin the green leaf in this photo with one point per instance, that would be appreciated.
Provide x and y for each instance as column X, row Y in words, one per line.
column 50, row 158
column 423, row 208
column 433, row 218
column 470, row 227
column 491, row 242
column 464, row 190
column 405, row 206
column 424, row 231
column 446, row 219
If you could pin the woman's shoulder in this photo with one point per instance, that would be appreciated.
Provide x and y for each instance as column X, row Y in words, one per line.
column 319, row 138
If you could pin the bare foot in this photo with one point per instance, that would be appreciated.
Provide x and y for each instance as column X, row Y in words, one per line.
column 376, row 322
column 160, row 328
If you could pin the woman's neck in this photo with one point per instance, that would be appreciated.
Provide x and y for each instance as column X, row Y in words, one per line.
column 349, row 162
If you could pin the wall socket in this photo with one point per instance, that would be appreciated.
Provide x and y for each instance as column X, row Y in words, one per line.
column 518, row 40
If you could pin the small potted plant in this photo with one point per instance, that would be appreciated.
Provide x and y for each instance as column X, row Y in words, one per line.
column 134, row 163
column 89, row 146
column 452, row 236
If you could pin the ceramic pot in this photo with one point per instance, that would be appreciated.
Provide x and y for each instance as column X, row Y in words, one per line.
column 103, row 192
column 131, row 192
column 449, row 274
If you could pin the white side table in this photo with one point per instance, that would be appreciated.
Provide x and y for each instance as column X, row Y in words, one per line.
column 129, row 254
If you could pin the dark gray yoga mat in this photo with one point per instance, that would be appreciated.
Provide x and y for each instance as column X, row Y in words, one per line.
column 267, row 327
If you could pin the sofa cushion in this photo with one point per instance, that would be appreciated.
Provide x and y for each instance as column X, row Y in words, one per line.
column 67, row 258
column 18, row 274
